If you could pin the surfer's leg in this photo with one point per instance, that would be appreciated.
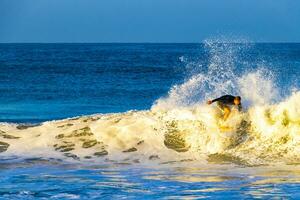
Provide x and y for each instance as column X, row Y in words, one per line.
column 220, row 106
column 226, row 112
column 224, row 109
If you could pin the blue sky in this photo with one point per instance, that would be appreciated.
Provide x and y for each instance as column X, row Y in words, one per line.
column 148, row 20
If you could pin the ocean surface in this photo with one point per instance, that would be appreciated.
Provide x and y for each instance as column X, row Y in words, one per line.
column 129, row 121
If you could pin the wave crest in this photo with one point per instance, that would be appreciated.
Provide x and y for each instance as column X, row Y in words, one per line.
column 179, row 127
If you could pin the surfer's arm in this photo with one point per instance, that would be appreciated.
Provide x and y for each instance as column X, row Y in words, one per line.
column 226, row 99
column 214, row 100
column 217, row 99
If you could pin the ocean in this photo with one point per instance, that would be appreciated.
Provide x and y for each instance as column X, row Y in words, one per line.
column 130, row 121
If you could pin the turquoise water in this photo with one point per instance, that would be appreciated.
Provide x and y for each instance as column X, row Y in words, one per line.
column 65, row 181
column 42, row 82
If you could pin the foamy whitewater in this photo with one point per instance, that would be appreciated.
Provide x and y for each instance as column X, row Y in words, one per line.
column 180, row 126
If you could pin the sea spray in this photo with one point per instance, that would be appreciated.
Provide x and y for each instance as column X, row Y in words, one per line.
column 221, row 76
column 179, row 127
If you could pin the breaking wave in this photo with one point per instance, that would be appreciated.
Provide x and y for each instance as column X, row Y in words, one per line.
column 179, row 127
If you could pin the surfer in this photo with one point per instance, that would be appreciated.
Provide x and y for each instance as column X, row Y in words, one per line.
column 226, row 102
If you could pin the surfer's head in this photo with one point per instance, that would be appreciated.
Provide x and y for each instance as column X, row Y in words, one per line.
column 237, row 100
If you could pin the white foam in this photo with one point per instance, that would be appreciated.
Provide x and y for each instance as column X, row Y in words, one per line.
column 180, row 125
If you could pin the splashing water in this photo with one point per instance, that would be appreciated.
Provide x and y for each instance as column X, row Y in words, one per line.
column 256, row 87
column 179, row 127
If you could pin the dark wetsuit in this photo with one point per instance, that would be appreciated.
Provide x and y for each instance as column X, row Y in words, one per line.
column 225, row 101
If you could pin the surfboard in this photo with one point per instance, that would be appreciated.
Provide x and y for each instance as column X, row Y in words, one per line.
column 225, row 128
column 226, row 131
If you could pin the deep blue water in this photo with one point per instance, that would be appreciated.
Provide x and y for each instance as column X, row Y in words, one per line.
column 40, row 82
column 49, row 81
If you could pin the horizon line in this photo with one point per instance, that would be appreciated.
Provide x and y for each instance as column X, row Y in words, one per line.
column 250, row 42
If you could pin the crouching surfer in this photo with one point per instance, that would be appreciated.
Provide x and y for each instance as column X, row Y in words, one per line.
column 226, row 102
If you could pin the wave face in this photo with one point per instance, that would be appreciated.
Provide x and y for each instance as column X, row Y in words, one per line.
column 179, row 127
column 262, row 134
